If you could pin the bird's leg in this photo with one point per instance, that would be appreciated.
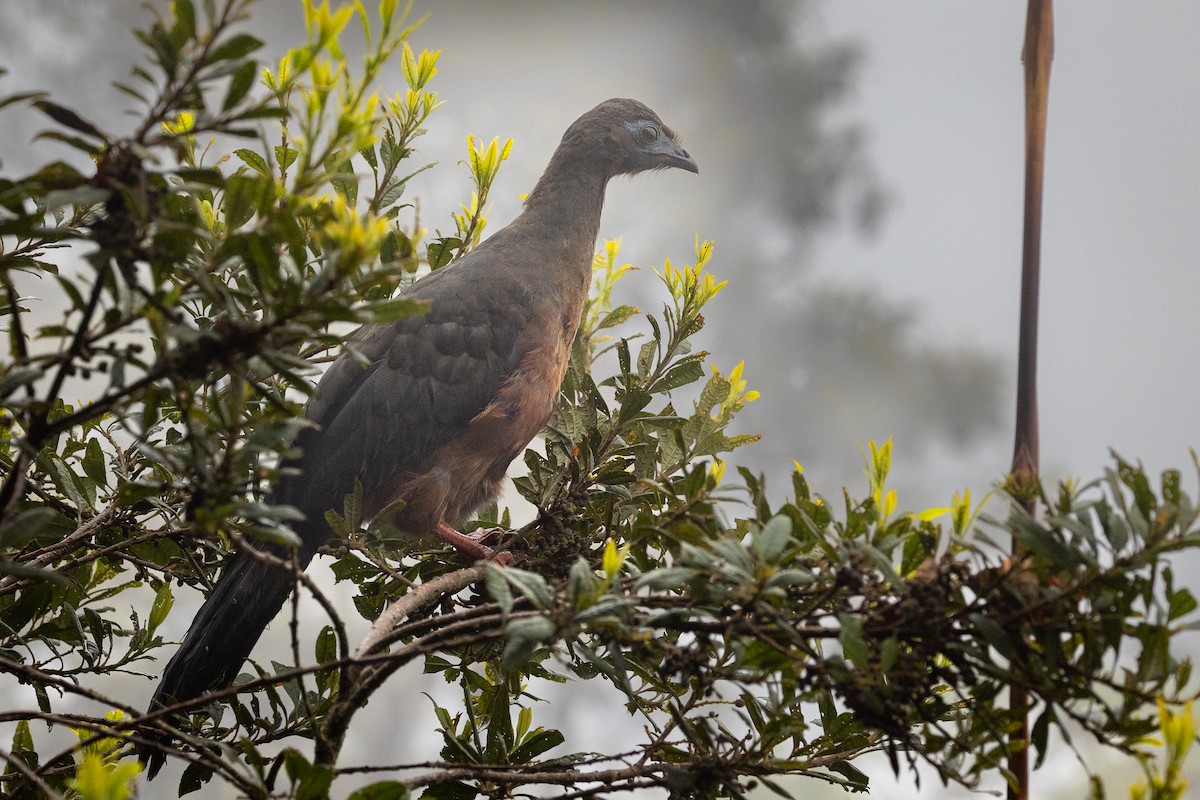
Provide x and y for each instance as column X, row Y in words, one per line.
column 470, row 547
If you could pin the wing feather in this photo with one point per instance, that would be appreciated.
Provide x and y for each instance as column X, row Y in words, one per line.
column 425, row 378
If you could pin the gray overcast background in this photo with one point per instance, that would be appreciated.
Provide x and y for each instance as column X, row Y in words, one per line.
column 941, row 95
column 861, row 174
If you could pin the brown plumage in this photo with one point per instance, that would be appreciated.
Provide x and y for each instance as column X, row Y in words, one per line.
column 447, row 399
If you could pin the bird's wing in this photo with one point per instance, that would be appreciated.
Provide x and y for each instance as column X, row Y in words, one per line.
column 425, row 378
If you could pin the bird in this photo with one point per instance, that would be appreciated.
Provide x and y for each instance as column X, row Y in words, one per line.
column 431, row 409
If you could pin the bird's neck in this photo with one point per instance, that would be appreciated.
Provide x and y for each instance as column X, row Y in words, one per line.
column 566, row 203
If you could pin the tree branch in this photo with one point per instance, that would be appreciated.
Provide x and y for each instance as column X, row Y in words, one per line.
column 1037, row 55
column 420, row 596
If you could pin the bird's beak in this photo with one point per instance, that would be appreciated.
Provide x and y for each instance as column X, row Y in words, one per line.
column 682, row 159
column 670, row 153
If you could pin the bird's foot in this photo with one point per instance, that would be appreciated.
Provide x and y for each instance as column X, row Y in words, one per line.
column 474, row 547
column 491, row 536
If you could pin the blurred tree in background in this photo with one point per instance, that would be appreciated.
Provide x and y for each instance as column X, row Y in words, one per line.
column 210, row 256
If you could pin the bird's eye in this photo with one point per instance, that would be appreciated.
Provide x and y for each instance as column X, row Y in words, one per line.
column 649, row 134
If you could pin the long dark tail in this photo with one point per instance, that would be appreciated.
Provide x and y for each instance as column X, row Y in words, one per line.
column 247, row 597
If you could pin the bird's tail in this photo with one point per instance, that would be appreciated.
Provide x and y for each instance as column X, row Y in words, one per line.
column 247, row 596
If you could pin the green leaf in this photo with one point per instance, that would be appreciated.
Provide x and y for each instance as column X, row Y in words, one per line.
column 65, row 480
column 524, row 635
column 384, row 790
column 392, row 191
column 245, row 195
column 74, row 141
column 1045, row 543
column 535, row 745
column 28, row 525
column 1139, row 484
column 311, row 781
column 9, row 99
column 67, row 117
column 450, row 790
column 1116, row 529
column 769, row 542
column 678, row 375
column 185, row 22
column 346, row 184
column 668, row 578
column 395, row 246
column 368, row 154
column 60, row 175
column 633, row 400
column 22, row 741
column 352, row 503
column 889, row 653
column 253, row 160
column 265, row 111
column 1040, row 735
column 206, row 176
column 160, row 608
column 1182, row 603
column 441, row 251
column 258, row 254
column 240, row 84
column 713, row 393
column 851, row 773
column 239, row 46
column 994, row 635
column 499, row 728
column 194, row 777
column 277, row 535
column 125, row 88
column 646, row 358
column 497, row 586
column 616, row 316
column 1170, row 486
column 326, row 647
column 530, row 584
column 791, row 577
column 286, row 156
column 390, row 151
column 165, row 51
column 854, row 646
column 17, row 377
column 94, row 463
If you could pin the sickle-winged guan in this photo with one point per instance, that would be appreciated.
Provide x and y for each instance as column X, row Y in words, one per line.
column 447, row 399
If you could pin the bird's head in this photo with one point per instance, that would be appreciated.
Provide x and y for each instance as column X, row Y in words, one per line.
column 626, row 137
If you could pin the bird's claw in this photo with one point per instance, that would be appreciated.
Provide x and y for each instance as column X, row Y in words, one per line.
column 491, row 536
